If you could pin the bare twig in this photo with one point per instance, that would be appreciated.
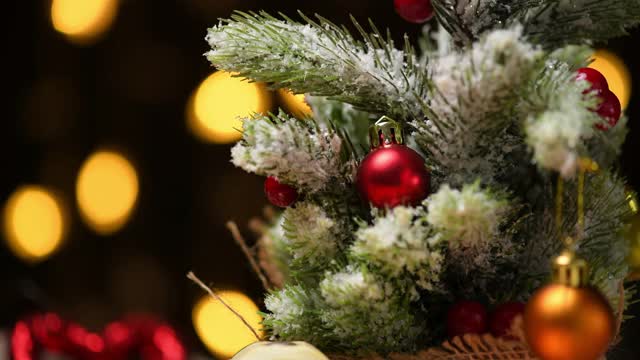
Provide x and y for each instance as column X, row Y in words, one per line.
column 235, row 232
column 620, row 314
column 191, row 276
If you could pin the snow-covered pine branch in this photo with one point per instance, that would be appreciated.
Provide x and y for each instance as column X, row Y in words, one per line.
column 300, row 153
column 402, row 245
column 312, row 238
column 558, row 121
column 294, row 314
column 468, row 220
column 546, row 22
column 475, row 90
column 323, row 59
column 367, row 313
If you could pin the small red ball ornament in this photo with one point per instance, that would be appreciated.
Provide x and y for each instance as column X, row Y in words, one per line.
column 594, row 77
column 391, row 174
column 502, row 317
column 279, row 194
column 415, row 11
column 466, row 317
column 609, row 109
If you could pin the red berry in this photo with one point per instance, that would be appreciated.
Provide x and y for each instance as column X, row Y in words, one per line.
column 502, row 317
column 594, row 77
column 609, row 109
column 281, row 195
column 415, row 11
column 466, row 317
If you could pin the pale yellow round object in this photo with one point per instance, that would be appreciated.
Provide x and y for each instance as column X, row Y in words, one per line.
column 267, row 350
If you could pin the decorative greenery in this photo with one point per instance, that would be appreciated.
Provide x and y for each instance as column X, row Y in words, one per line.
column 493, row 104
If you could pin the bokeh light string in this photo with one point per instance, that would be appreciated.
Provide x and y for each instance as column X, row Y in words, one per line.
column 106, row 191
column 220, row 101
column 83, row 21
column 35, row 223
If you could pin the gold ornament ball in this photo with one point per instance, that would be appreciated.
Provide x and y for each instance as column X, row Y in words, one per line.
column 568, row 323
column 270, row 350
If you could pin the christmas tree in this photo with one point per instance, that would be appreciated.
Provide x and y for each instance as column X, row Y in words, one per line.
column 435, row 178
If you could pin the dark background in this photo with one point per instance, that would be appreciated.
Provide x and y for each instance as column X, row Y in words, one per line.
column 129, row 90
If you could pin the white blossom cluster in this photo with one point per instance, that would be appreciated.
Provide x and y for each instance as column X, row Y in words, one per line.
column 295, row 152
column 290, row 314
column 366, row 312
column 475, row 83
column 474, row 91
column 311, row 236
column 468, row 219
column 557, row 134
column 400, row 243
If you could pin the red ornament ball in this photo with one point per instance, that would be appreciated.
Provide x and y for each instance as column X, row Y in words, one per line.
column 415, row 11
column 502, row 317
column 594, row 77
column 279, row 194
column 466, row 317
column 392, row 175
column 609, row 109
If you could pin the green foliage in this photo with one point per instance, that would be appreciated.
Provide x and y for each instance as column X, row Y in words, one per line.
column 551, row 23
column 493, row 104
column 321, row 58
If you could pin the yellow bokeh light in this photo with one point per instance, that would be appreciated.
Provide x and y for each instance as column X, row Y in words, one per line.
column 220, row 330
column 34, row 223
column 616, row 73
column 106, row 191
column 295, row 103
column 83, row 21
column 215, row 108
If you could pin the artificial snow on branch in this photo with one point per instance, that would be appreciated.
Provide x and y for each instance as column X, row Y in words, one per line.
column 402, row 244
column 323, row 59
column 312, row 238
column 474, row 94
column 367, row 313
column 558, row 119
column 300, row 153
column 547, row 22
column 469, row 221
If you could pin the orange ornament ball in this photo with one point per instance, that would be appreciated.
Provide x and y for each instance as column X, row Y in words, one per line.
column 568, row 323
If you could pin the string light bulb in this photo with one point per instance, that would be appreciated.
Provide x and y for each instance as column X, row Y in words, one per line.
column 83, row 21
column 216, row 107
column 35, row 223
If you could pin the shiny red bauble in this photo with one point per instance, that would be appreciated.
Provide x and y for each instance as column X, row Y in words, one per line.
column 391, row 175
column 279, row 194
column 609, row 109
column 502, row 317
column 415, row 11
column 466, row 317
column 594, row 77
